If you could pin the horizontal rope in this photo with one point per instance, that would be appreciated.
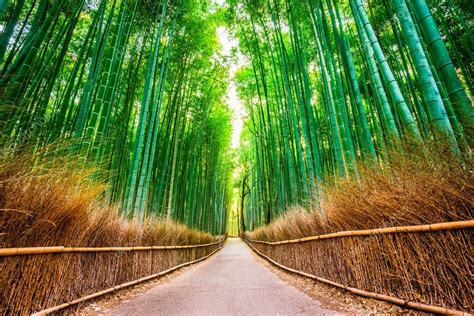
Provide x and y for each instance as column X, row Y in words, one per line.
column 394, row 300
column 61, row 249
column 377, row 231
column 119, row 287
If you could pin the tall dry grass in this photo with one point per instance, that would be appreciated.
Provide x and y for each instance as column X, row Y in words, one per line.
column 416, row 186
column 54, row 205
column 419, row 186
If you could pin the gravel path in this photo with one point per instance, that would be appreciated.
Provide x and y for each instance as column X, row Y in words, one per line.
column 231, row 282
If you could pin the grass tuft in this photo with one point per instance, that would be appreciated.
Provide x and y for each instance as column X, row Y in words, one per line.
column 419, row 186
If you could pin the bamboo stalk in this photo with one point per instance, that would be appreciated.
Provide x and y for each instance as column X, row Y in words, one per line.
column 4, row 252
column 381, row 297
column 377, row 231
column 121, row 286
column 30, row 250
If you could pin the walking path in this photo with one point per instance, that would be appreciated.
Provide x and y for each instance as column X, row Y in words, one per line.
column 232, row 282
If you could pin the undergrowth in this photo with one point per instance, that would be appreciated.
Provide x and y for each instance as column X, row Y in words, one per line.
column 414, row 186
column 53, row 203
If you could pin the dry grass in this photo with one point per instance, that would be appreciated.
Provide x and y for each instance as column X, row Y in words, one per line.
column 420, row 187
column 54, row 206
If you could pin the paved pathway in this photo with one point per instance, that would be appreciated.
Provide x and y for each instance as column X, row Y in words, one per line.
column 231, row 282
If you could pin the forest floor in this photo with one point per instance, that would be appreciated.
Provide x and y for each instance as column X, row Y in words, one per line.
column 235, row 281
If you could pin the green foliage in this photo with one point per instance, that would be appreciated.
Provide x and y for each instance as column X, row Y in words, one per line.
column 331, row 83
column 131, row 87
column 137, row 87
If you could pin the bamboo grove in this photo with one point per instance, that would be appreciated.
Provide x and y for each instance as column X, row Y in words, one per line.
column 131, row 87
column 137, row 89
column 330, row 83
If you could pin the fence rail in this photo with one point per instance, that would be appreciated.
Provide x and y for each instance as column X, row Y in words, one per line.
column 62, row 249
column 377, row 231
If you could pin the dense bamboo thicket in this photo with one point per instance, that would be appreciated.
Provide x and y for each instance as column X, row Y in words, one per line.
column 56, row 208
column 360, row 117
column 331, row 83
column 133, row 88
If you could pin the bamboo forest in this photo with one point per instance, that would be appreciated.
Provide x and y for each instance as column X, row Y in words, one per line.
column 325, row 143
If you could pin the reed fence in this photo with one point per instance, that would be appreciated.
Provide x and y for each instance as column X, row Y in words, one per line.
column 44, row 280
column 423, row 267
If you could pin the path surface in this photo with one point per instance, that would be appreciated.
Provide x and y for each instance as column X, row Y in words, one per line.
column 232, row 282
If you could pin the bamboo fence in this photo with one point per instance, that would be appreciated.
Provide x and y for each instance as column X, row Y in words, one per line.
column 422, row 267
column 43, row 280
column 122, row 286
